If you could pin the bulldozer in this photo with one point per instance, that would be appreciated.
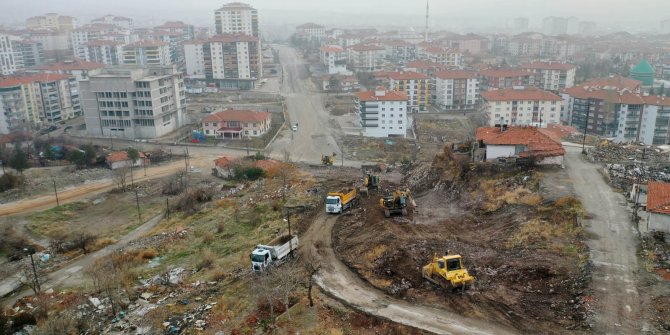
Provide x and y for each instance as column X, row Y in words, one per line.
column 371, row 181
column 396, row 203
column 328, row 160
column 448, row 272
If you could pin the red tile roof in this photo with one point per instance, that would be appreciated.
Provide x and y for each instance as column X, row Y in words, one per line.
column 455, row 74
column 119, row 156
column 407, row 75
column 227, row 38
column 504, row 73
column 365, row 47
column 267, row 164
column 511, row 94
column 31, row 78
column 656, row 100
column 540, row 143
column 388, row 96
column 548, row 66
column 617, row 81
column 658, row 197
column 332, row 48
column 70, row 65
column 237, row 115
column 223, row 161
column 610, row 95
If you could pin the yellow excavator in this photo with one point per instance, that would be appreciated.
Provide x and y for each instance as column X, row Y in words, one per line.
column 328, row 160
column 396, row 203
column 448, row 272
column 371, row 181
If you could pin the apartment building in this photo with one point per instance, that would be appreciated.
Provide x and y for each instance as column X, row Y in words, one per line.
column 236, row 18
column 134, row 103
column 52, row 21
column 104, row 51
column 471, row 43
column 442, row 55
column 9, row 61
column 310, row 32
column 125, row 24
column 522, row 106
column 236, row 124
column 382, row 113
column 28, row 100
column 415, row 86
column 493, row 79
column 551, row 76
column 91, row 32
column 185, row 32
column 365, row 57
column 456, row 89
column 147, row 53
column 334, row 58
column 229, row 61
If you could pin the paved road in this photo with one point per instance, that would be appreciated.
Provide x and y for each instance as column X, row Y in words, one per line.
column 613, row 248
column 336, row 279
column 305, row 106
column 72, row 273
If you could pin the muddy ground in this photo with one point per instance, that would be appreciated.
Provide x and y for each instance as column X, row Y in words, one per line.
column 527, row 254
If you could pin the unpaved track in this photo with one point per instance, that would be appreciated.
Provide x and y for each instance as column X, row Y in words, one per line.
column 340, row 282
column 613, row 248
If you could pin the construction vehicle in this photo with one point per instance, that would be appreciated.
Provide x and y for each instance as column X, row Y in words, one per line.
column 278, row 250
column 448, row 272
column 338, row 202
column 396, row 203
column 328, row 160
column 370, row 182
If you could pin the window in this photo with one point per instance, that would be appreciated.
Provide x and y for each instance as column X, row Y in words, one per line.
column 255, row 132
column 399, row 121
column 383, row 109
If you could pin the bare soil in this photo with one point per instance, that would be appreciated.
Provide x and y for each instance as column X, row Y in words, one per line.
column 530, row 265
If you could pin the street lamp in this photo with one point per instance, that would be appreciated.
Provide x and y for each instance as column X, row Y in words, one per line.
column 36, row 283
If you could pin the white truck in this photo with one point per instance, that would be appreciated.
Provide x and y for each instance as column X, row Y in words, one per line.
column 276, row 252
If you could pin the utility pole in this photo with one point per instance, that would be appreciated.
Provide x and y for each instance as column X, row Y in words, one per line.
column 290, row 236
column 425, row 36
column 167, row 207
column 639, row 184
column 586, row 125
column 36, row 281
column 56, row 192
column 137, row 199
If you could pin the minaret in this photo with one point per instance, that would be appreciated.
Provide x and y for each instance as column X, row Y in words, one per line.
column 425, row 34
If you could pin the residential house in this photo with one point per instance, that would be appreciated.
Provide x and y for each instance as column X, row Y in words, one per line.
column 236, row 124
column 147, row 53
column 551, row 76
column 532, row 143
column 365, row 57
column 493, row 79
column 344, row 83
column 658, row 207
column 223, row 166
column 415, row 86
column 120, row 159
column 522, row 106
column 334, row 58
column 383, row 113
column 310, row 32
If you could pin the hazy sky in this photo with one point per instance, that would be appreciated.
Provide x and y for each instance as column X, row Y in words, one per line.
column 359, row 12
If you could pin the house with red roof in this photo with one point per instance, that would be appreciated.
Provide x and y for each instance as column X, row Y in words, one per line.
column 224, row 165
column 658, row 206
column 120, row 159
column 523, row 142
column 234, row 124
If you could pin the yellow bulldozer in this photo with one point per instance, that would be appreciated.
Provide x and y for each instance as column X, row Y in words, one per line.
column 396, row 203
column 328, row 160
column 448, row 272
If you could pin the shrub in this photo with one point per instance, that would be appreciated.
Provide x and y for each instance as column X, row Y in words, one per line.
column 22, row 319
column 9, row 181
column 206, row 261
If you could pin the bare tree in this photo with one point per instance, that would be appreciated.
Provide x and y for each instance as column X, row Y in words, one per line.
column 311, row 264
column 32, row 277
column 120, row 176
column 287, row 279
column 106, row 281
column 83, row 240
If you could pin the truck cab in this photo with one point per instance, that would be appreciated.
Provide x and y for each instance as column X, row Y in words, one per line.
column 333, row 204
column 260, row 259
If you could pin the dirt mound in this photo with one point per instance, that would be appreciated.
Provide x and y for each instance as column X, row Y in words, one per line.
column 528, row 257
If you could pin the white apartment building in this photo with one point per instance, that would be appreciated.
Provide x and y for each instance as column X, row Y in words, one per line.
column 134, row 103
column 104, row 51
column 310, row 31
column 147, row 53
column 125, row 24
column 236, row 18
column 365, row 57
column 442, row 55
column 9, row 58
column 52, row 21
column 334, row 58
column 382, row 113
column 229, row 61
column 456, row 89
column 552, row 76
column 522, row 106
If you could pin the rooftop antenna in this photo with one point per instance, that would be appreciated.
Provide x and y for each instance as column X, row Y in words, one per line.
column 425, row 33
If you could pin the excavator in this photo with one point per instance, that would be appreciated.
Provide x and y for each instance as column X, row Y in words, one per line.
column 328, row 160
column 370, row 182
column 448, row 272
column 396, row 203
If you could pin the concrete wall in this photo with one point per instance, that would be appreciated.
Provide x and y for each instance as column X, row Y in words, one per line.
column 496, row 151
column 555, row 160
column 658, row 222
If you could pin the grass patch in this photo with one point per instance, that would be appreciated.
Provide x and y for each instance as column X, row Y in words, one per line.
column 50, row 222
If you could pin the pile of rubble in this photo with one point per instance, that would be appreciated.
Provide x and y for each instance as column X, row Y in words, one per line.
column 608, row 152
column 623, row 176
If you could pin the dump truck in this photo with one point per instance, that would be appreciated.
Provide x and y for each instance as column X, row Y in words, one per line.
column 275, row 253
column 448, row 272
column 328, row 160
column 396, row 203
column 338, row 202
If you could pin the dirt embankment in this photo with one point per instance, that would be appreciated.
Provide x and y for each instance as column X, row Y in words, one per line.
column 526, row 252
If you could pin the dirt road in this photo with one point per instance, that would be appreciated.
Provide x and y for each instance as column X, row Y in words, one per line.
column 336, row 279
column 613, row 247
column 72, row 273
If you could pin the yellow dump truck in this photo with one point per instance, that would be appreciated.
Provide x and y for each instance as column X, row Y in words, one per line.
column 338, row 202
